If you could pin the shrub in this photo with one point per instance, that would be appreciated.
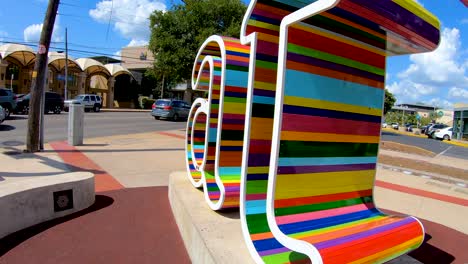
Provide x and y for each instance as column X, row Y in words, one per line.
column 148, row 103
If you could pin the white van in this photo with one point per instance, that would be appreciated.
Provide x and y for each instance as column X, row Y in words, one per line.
column 90, row 101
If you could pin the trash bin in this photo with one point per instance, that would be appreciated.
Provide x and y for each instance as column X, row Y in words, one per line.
column 75, row 124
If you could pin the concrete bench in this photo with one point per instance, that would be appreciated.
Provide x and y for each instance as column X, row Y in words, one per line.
column 24, row 203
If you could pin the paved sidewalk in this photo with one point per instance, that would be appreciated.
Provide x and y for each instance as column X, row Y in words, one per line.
column 132, row 222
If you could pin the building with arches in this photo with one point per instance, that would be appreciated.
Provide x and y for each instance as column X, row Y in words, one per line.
column 85, row 75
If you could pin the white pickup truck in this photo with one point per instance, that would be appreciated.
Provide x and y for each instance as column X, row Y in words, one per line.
column 90, row 102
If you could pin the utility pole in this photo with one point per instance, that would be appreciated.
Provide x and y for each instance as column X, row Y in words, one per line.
column 39, row 76
column 66, row 64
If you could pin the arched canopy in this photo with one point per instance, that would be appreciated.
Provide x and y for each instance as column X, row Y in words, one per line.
column 57, row 60
column 91, row 66
column 116, row 70
column 23, row 54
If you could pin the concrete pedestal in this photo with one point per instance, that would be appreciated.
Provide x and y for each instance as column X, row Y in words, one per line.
column 75, row 124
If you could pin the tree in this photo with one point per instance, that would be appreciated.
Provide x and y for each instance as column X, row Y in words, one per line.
column 389, row 101
column 177, row 34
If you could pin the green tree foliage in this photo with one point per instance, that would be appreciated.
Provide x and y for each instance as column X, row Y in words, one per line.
column 389, row 101
column 177, row 34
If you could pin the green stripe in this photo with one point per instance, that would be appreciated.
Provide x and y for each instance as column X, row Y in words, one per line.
column 334, row 58
column 321, row 206
column 285, row 257
column 234, row 99
column 266, row 65
column 257, row 223
column 237, row 68
column 303, row 149
column 254, row 187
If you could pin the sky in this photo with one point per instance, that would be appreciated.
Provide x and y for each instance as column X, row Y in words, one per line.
column 438, row 78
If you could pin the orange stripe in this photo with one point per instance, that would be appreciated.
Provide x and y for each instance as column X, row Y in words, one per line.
column 74, row 158
column 171, row 135
column 432, row 195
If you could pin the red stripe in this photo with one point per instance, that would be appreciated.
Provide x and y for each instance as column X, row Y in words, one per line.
column 321, row 198
column 73, row 157
column 303, row 123
column 432, row 195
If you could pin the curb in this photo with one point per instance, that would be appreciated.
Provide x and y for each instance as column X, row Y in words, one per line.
column 128, row 110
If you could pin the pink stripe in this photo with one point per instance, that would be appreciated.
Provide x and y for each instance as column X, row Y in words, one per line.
column 322, row 214
column 294, row 122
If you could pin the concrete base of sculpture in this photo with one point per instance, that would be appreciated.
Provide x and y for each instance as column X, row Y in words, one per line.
column 24, row 203
column 213, row 237
column 210, row 237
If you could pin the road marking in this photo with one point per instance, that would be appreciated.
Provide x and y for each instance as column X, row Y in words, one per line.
column 172, row 135
column 443, row 152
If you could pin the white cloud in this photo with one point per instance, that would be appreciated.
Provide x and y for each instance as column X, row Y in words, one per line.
column 32, row 33
column 432, row 74
column 135, row 42
column 3, row 34
column 440, row 103
column 458, row 93
column 128, row 17
column 117, row 55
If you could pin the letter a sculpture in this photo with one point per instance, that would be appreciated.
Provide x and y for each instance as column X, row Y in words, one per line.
column 290, row 130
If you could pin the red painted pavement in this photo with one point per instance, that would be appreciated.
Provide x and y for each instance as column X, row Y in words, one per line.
column 422, row 193
column 172, row 135
column 133, row 225
column 75, row 159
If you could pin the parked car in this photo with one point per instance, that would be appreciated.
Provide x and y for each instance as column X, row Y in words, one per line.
column 170, row 109
column 425, row 128
column 2, row 114
column 90, row 102
column 409, row 127
column 395, row 125
column 444, row 133
column 430, row 131
column 53, row 103
column 384, row 125
column 7, row 101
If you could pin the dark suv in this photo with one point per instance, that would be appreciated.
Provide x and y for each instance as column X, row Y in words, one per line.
column 170, row 109
column 53, row 103
column 7, row 101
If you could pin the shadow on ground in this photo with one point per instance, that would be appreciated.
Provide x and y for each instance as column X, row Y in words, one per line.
column 429, row 254
column 6, row 127
column 9, row 242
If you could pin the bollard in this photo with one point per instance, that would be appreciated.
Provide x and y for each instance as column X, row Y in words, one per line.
column 75, row 124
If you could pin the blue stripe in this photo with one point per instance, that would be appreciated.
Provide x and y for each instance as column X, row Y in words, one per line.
column 264, row 100
column 308, row 85
column 255, row 207
column 230, row 170
column 213, row 134
column 325, row 161
column 236, row 78
column 237, row 53
column 267, row 244
column 292, row 109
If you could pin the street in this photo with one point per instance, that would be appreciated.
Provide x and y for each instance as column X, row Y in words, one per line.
column 436, row 146
column 13, row 131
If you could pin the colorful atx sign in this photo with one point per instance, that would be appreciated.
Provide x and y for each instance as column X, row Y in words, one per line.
column 290, row 130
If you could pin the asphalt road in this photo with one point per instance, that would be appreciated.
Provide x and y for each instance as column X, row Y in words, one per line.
column 436, row 146
column 13, row 131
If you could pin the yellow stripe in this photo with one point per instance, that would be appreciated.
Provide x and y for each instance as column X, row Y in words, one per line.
column 354, row 43
column 312, row 184
column 265, row 86
column 234, row 108
column 255, row 170
column 259, row 24
column 327, row 137
column 300, row 101
column 420, row 11
column 268, row 38
column 241, row 50
column 384, row 255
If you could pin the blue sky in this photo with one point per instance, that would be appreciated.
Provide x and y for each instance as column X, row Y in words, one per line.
column 438, row 78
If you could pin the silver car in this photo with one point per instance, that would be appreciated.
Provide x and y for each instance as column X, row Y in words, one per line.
column 170, row 109
column 2, row 114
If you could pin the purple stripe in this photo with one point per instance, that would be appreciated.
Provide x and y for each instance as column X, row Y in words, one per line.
column 259, row 160
column 350, row 238
column 238, row 63
column 261, row 92
column 403, row 17
column 273, row 251
column 230, row 189
column 334, row 66
column 325, row 168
